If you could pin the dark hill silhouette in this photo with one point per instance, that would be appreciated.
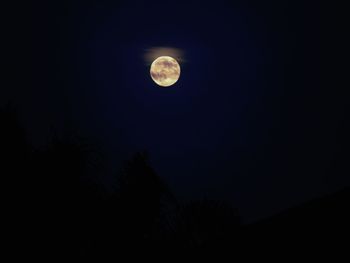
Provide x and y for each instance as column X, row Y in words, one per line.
column 320, row 224
column 328, row 210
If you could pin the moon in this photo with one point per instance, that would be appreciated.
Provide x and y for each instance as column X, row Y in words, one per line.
column 165, row 71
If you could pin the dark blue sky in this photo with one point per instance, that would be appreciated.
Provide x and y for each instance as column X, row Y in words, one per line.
column 257, row 116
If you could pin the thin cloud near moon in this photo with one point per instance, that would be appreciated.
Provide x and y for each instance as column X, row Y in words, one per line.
column 153, row 53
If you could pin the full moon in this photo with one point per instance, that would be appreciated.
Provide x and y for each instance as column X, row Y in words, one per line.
column 165, row 71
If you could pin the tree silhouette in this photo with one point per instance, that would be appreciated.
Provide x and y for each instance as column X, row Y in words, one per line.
column 15, row 177
column 135, row 212
column 14, row 146
column 66, row 199
column 206, row 223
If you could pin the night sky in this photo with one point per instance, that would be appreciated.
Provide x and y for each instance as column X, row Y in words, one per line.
column 257, row 116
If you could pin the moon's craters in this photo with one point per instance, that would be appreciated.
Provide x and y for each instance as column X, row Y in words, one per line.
column 165, row 71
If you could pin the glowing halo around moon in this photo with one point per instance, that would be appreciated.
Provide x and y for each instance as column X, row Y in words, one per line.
column 165, row 71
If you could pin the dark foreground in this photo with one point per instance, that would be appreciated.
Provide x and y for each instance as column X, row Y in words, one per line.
column 54, row 208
